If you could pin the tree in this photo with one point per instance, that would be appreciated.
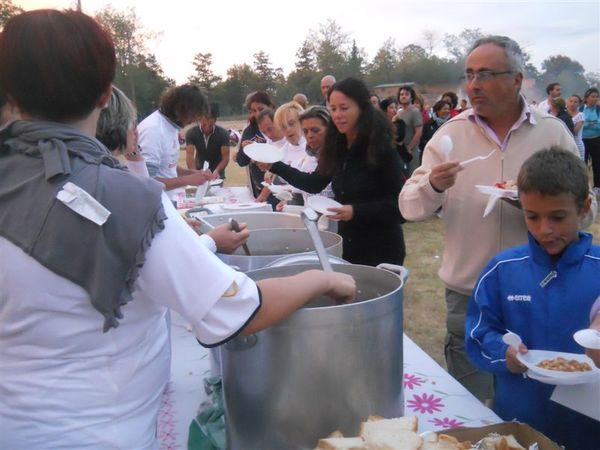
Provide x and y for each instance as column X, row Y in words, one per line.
column 204, row 76
column 302, row 79
column 593, row 79
column 267, row 74
column 149, row 81
column 566, row 71
column 138, row 73
column 383, row 68
column 356, row 65
column 241, row 80
column 430, row 40
column 459, row 45
column 8, row 10
column 331, row 47
column 306, row 58
column 128, row 35
column 411, row 54
column 530, row 71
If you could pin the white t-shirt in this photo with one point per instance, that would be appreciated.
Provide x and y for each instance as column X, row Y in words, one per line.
column 65, row 384
column 544, row 105
column 159, row 142
column 294, row 155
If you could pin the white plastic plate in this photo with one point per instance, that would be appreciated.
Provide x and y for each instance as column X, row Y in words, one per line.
column 264, row 153
column 320, row 204
column 534, row 357
column 493, row 190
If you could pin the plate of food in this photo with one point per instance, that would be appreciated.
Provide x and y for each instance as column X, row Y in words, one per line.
column 264, row 153
column 503, row 189
column 559, row 367
column 321, row 204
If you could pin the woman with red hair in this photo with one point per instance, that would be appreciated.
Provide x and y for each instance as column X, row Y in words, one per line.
column 90, row 264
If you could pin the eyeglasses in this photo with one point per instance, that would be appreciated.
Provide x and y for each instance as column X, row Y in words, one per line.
column 483, row 75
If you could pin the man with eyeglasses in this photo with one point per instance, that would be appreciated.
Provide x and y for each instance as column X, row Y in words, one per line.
column 499, row 120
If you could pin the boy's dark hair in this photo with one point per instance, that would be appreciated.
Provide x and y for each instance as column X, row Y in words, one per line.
column 267, row 112
column 555, row 172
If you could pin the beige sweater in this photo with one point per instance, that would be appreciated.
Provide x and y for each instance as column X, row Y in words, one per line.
column 470, row 240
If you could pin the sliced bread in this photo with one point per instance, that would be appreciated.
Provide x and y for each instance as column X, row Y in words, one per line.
column 341, row 443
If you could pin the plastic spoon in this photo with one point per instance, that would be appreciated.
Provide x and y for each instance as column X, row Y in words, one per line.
column 309, row 216
column 513, row 340
column 588, row 338
column 446, row 145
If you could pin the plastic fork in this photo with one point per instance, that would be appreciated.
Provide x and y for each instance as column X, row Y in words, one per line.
column 477, row 158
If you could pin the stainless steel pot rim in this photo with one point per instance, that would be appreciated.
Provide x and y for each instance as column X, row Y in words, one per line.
column 346, row 306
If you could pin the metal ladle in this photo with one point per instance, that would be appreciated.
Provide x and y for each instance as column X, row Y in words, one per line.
column 235, row 226
column 310, row 217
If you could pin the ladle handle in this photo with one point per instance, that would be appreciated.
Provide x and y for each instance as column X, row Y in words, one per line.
column 235, row 226
column 313, row 231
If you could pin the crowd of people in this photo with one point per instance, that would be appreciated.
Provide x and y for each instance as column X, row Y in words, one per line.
column 94, row 255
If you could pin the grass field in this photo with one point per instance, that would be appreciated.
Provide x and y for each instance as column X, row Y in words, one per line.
column 424, row 306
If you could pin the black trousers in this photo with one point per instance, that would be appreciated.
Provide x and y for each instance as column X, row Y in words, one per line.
column 592, row 150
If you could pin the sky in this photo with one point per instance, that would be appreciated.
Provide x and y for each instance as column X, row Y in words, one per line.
column 234, row 30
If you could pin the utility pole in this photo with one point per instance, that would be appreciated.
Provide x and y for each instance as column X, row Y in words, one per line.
column 79, row 5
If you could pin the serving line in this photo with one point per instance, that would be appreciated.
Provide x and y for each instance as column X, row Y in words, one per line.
column 430, row 393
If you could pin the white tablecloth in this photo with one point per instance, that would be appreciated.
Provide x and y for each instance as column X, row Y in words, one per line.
column 430, row 393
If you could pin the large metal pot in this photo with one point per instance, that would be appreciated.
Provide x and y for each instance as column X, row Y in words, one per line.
column 253, row 220
column 324, row 368
column 268, row 245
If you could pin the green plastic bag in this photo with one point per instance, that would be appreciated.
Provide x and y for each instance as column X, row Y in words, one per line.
column 207, row 430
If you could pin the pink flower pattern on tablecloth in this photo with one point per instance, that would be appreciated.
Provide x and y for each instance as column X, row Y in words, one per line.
column 446, row 422
column 425, row 403
column 410, row 381
column 167, row 436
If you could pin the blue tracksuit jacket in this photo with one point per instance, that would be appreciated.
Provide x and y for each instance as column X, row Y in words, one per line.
column 544, row 301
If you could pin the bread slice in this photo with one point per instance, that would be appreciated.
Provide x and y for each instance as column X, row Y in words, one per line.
column 336, row 434
column 432, row 441
column 341, row 443
column 394, row 440
column 399, row 423
column 508, row 442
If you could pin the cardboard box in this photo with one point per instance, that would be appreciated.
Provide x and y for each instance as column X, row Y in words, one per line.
column 522, row 432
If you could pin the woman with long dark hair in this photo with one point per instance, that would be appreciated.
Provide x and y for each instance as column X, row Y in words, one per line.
column 359, row 160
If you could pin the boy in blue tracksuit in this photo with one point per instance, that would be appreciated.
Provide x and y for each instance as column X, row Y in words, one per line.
column 543, row 291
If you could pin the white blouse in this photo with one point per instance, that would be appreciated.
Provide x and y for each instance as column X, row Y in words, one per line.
column 65, row 384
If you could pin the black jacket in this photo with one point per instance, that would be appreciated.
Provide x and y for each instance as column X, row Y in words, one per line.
column 374, row 235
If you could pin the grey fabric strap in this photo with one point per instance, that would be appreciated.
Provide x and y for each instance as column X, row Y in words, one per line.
column 36, row 160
